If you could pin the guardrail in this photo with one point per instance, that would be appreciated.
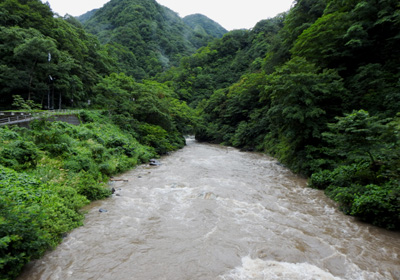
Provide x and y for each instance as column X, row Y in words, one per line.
column 19, row 117
column 13, row 119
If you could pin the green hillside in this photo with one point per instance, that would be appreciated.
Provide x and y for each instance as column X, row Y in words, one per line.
column 145, row 37
column 202, row 24
column 86, row 16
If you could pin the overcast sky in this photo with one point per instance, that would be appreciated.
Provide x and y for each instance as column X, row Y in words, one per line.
column 231, row 14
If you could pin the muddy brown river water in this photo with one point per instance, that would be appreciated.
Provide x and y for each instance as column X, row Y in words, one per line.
column 212, row 212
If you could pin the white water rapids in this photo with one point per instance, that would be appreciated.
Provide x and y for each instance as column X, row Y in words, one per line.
column 212, row 212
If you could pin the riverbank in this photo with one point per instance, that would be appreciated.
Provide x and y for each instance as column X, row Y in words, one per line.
column 213, row 212
column 50, row 170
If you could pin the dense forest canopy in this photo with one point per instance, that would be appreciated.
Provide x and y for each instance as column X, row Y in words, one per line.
column 54, row 60
column 317, row 87
column 42, row 54
column 203, row 25
column 147, row 38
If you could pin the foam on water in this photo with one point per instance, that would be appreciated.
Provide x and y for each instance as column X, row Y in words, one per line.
column 259, row 269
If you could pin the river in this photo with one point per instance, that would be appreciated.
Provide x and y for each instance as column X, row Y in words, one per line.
column 212, row 212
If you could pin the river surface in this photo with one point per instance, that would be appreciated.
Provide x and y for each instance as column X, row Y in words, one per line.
column 212, row 212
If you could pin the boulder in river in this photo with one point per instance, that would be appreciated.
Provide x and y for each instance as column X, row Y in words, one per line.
column 154, row 162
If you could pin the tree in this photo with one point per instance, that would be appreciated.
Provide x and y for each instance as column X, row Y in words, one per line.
column 359, row 136
column 114, row 92
column 22, row 104
column 303, row 100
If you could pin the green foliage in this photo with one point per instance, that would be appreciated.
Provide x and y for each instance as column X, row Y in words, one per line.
column 68, row 167
column 379, row 205
column 15, row 152
column 303, row 100
column 44, row 59
column 351, row 187
column 222, row 62
column 201, row 23
column 158, row 36
column 348, row 37
column 343, row 176
column 131, row 103
column 359, row 136
column 234, row 115
column 367, row 188
column 33, row 216
column 113, row 91
column 159, row 139
column 318, row 88
column 86, row 184
column 22, row 104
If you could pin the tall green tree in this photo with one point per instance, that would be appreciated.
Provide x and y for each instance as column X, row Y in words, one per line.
column 303, row 100
column 48, row 59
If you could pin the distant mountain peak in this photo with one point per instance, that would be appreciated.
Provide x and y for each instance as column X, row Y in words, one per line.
column 212, row 28
column 147, row 37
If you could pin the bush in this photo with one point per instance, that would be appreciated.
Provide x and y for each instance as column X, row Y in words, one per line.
column 98, row 151
column 19, row 155
column 115, row 142
column 342, row 176
column 33, row 216
column 108, row 168
column 379, row 205
column 158, row 138
column 61, row 149
column 78, row 163
column 8, row 134
column 348, row 185
column 89, row 186
column 321, row 180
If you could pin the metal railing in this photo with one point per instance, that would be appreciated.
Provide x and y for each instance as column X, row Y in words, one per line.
column 19, row 117
column 15, row 119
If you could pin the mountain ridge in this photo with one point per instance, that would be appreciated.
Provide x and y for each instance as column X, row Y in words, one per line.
column 146, row 37
column 201, row 23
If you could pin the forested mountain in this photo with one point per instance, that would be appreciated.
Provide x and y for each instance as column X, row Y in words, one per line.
column 318, row 88
column 222, row 62
column 86, row 16
column 202, row 24
column 145, row 37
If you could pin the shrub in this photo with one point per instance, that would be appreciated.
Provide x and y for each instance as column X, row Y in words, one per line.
column 342, row 176
column 379, row 205
column 321, row 180
column 108, row 168
column 19, row 155
column 8, row 134
column 61, row 149
column 115, row 142
column 89, row 186
column 33, row 216
column 78, row 163
column 159, row 139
